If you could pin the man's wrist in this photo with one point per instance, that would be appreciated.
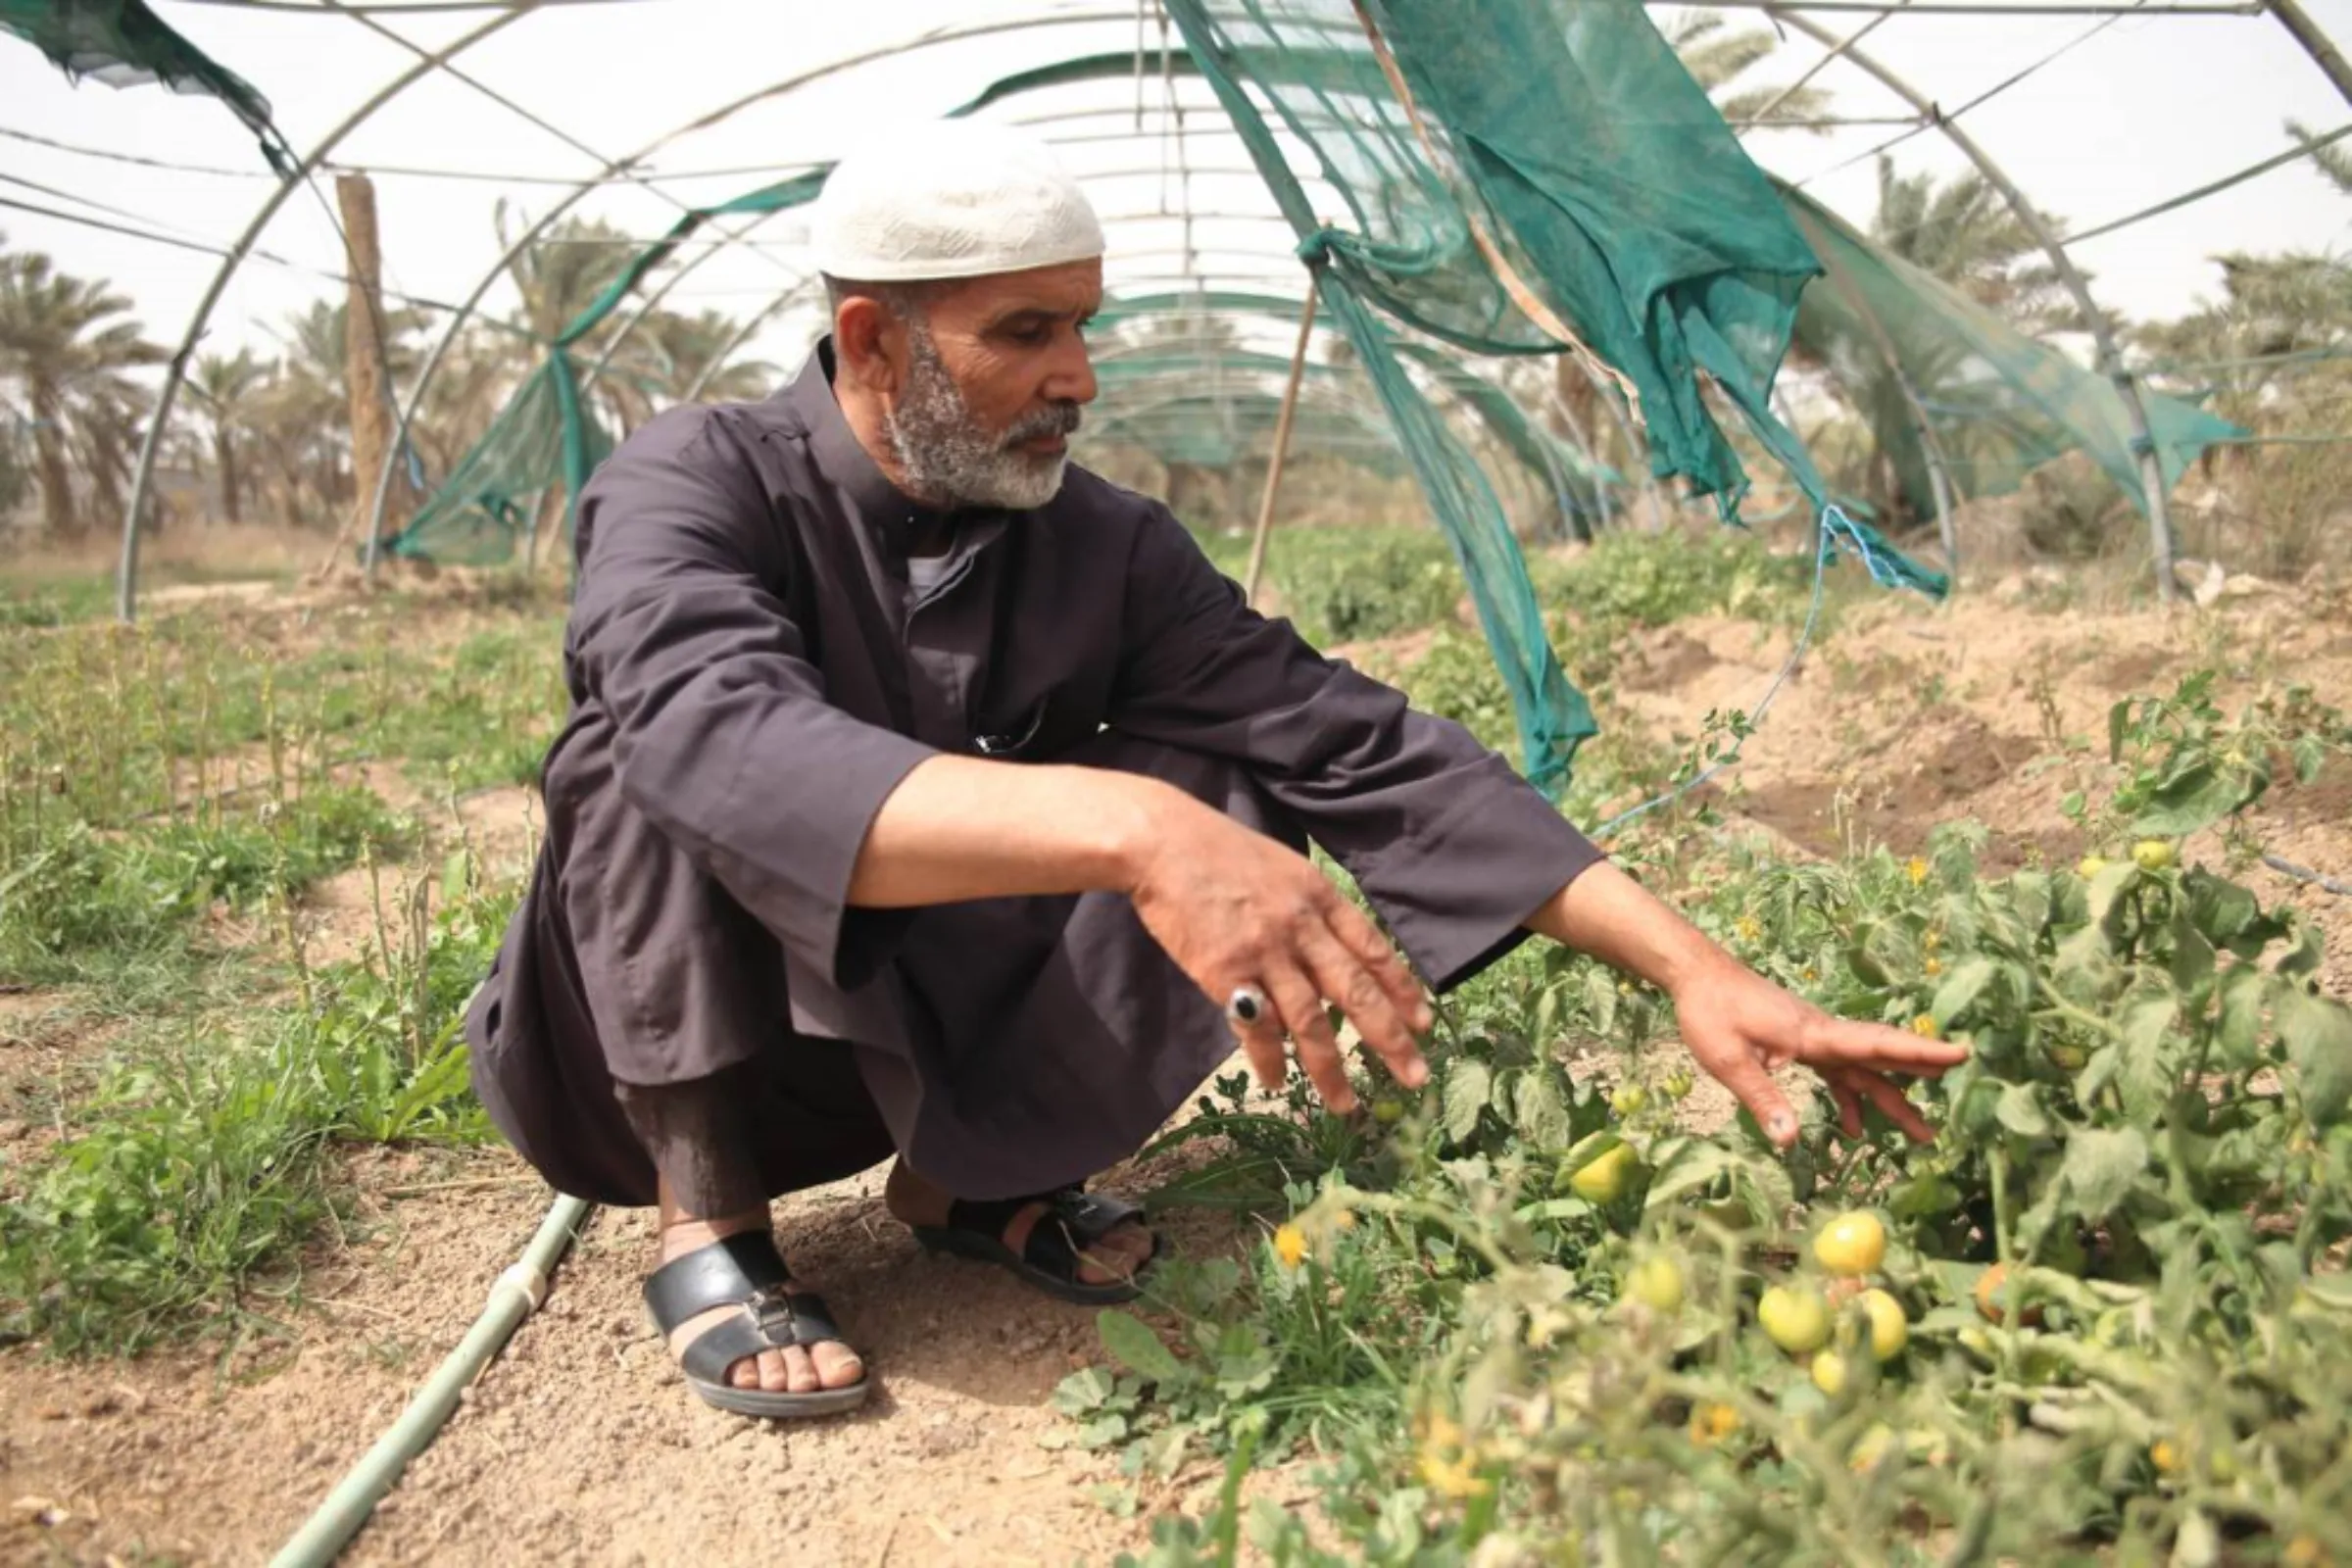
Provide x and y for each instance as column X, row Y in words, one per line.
column 1133, row 825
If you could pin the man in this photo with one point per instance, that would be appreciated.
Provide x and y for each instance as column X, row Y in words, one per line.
column 926, row 794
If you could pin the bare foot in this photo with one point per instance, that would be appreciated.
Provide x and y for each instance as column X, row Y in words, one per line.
column 795, row 1369
column 1114, row 1259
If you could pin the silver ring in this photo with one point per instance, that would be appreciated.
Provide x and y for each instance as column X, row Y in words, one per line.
column 1247, row 1005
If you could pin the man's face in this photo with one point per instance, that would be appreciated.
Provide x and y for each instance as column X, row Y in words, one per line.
column 996, row 372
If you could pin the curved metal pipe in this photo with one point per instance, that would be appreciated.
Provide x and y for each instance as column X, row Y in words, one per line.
column 580, row 191
column 2111, row 360
column 127, row 574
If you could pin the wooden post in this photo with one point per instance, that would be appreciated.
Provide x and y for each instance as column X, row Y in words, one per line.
column 363, row 373
column 1282, row 438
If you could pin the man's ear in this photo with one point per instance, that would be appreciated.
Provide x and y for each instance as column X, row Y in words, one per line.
column 869, row 344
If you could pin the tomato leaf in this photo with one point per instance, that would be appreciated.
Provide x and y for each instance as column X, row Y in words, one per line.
column 1468, row 1087
column 2141, row 1074
column 2193, row 959
column 1540, row 1112
column 2196, row 797
column 2238, row 1034
column 1961, row 987
column 2304, row 957
column 2101, row 1165
column 2318, row 1033
column 2020, row 1111
column 1132, row 1344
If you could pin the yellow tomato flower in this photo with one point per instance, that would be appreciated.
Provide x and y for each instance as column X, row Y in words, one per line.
column 1749, row 928
column 1811, row 975
column 1712, row 1423
column 1916, row 871
column 1935, row 966
column 1455, row 1478
column 1290, row 1245
column 1925, row 1026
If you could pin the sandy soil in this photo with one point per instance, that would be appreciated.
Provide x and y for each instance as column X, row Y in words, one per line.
column 580, row 1446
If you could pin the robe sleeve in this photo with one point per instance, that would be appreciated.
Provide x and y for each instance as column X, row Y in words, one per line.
column 1452, row 847
column 722, row 736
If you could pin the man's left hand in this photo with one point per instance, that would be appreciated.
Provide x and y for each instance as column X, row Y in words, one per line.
column 1740, row 1028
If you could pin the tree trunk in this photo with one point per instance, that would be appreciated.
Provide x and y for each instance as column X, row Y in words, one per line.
column 49, row 460
column 364, row 354
column 225, row 454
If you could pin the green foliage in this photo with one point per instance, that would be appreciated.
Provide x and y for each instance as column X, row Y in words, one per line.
column 192, row 1181
column 2187, row 766
column 1654, row 580
column 1341, row 585
column 2152, row 1137
column 157, row 777
column 77, row 902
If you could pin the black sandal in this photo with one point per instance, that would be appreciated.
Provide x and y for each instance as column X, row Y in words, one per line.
column 1074, row 1223
column 744, row 1271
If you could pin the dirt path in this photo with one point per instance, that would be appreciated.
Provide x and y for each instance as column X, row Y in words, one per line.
column 581, row 1446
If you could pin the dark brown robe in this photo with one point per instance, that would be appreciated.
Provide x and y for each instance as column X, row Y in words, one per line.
column 749, row 681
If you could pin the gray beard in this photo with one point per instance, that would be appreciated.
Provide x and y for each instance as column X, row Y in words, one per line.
column 948, row 458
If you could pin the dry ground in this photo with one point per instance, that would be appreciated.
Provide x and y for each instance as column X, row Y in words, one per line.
column 579, row 1446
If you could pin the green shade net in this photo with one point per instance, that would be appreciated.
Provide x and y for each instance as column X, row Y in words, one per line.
column 1567, row 474
column 124, row 44
column 1901, row 342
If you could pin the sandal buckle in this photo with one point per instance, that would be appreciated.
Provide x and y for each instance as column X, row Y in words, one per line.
column 770, row 1310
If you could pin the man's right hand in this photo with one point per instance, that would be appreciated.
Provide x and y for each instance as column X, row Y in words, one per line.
column 1234, row 908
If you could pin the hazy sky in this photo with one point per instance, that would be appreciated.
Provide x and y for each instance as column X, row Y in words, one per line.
column 2148, row 107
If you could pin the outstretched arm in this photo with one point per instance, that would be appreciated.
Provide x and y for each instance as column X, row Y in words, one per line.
column 1735, row 1024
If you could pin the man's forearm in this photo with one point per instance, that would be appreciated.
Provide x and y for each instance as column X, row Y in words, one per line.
column 1608, row 914
column 960, row 828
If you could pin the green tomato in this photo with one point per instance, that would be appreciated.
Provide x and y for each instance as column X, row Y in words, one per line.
column 1602, row 1181
column 2154, row 854
column 1656, row 1281
column 1889, row 1327
column 1851, row 1244
column 1796, row 1319
column 1629, row 1100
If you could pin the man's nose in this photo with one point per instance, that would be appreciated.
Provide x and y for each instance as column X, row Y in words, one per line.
column 1070, row 377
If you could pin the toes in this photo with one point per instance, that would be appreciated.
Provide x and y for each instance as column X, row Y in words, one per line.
column 744, row 1374
column 800, row 1371
column 774, row 1371
column 837, row 1366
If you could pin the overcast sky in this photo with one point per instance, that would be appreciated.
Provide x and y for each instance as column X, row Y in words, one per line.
column 2148, row 107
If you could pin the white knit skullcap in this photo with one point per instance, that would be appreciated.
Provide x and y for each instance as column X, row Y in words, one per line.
column 947, row 199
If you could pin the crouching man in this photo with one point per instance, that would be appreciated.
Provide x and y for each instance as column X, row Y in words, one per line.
column 926, row 795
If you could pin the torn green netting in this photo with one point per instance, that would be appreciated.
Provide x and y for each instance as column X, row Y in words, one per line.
column 124, row 44
column 1127, row 371
column 1998, row 404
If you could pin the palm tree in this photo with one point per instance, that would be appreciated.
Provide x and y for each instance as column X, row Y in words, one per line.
column 1716, row 54
column 1963, row 232
column 2332, row 160
column 65, row 345
column 303, row 415
column 669, row 355
column 227, row 392
column 563, row 273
